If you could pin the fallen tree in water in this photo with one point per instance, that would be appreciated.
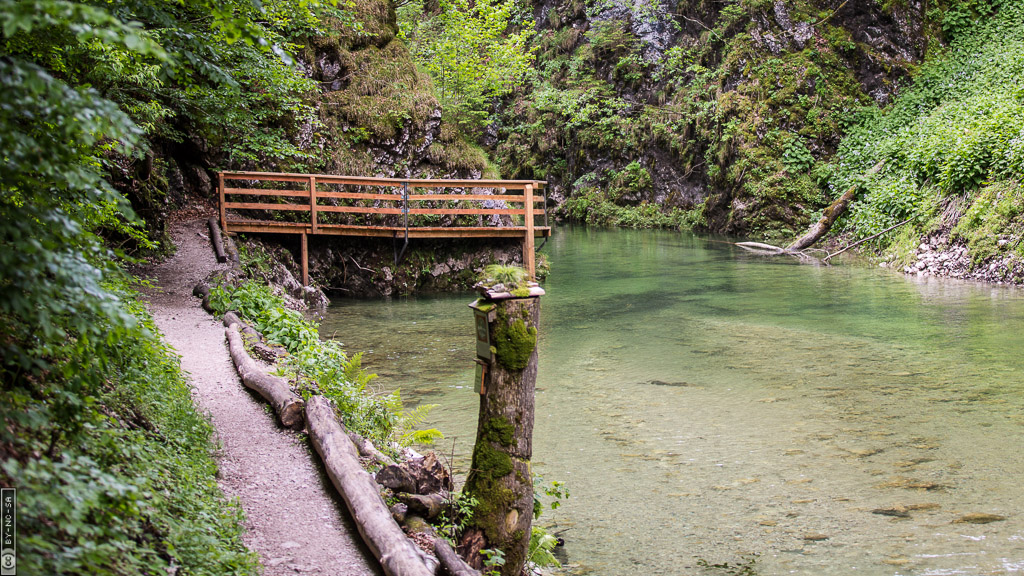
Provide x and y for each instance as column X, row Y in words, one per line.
column 820, row 228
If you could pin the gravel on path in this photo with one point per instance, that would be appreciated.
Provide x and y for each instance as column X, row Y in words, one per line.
column 294, row 520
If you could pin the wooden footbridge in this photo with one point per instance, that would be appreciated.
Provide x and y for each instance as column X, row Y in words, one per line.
column 400, row 209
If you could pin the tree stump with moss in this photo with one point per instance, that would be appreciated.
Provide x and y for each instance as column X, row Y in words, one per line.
column 500, row 477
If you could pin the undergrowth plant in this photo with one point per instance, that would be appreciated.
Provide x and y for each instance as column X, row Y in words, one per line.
column 114, row 461
column 542, row 542
column 955, row 137
column 323, row 367
column 456, row 516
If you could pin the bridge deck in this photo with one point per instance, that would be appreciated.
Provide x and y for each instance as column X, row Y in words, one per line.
column 319, row 204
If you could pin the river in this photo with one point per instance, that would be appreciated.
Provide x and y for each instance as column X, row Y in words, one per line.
column 707, row 406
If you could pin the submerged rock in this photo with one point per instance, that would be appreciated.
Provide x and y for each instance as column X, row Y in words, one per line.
column 895, row 511
column 911, row 484
column 673, row 384
column 979, row 518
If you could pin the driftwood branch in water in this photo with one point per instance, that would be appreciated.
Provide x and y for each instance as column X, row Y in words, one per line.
column 275, row 390
column 819, row 229
column 830, row 215
column 859, row 242
column 396, row 553
column 761, row 247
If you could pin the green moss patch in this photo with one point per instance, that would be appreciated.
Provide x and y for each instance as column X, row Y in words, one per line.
column 500, row 431
column 514, row 342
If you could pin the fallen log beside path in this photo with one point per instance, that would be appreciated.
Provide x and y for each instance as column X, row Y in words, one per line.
column 368, row 450
column 254, row 339
column 287, row 405
column 453, row 564
column 396, row 553
column 216, row 239
column 231, row 317
column 202, row 291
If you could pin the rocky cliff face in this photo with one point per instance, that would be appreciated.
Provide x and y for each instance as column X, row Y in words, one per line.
column 722, row 109
column 378, row 115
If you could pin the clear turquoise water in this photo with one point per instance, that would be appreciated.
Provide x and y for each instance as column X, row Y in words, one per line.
column 703, row 403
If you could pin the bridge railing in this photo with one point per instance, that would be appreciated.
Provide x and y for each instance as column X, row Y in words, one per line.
column 267, row 202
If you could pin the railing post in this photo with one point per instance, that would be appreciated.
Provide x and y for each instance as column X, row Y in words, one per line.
column 305, row 260
column 312, row 208
column 528, row 256
column 546, row 207
column 223, row 211
column 405, row 207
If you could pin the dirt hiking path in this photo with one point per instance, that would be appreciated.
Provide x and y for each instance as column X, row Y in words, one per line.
column 294, row 521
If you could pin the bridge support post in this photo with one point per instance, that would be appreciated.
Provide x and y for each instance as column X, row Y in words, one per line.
column 305, row 260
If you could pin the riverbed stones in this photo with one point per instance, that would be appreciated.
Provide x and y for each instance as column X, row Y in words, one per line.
column 815, row 537
column 912, row 463
column 670, row 384
column 938, row 255
column 864, row 452
column 894, row 511
column 896, row 560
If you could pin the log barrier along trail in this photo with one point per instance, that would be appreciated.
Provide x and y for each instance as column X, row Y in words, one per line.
column 294, row 521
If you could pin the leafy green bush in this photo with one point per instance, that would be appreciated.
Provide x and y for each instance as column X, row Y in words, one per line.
column 100, row 433
column 631, row 181
column 474, row 51
column 594, row 207
column 796, row 157
column 958, row 128
column 322, row 367
column 115, row 463
column 267, row 313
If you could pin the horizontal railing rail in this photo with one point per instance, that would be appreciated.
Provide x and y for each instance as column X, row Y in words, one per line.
column 324, row 204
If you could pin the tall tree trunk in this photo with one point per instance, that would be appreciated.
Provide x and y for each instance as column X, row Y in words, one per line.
column 500, row 478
